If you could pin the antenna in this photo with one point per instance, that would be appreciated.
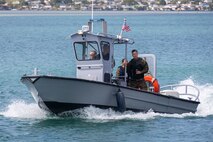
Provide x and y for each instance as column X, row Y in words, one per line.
column 92, row 17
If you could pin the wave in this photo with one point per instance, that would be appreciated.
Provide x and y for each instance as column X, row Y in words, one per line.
column 21, row 109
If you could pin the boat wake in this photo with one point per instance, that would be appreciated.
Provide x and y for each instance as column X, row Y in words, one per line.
column 21, row 109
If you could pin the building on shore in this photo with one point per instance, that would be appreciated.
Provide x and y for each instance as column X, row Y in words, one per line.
column 123, row 5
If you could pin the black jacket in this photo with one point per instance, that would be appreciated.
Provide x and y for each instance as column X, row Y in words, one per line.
column 140, row 65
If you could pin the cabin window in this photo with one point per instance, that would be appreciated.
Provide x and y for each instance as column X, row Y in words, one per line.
column 87, row 50
column 105, row 48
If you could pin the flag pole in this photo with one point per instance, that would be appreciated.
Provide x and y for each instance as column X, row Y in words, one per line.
column 121, row 33
column 92, row 17
column 122, row 28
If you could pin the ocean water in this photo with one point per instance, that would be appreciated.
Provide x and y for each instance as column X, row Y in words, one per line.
column 182, row 43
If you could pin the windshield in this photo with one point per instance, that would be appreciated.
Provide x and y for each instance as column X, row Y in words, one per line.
column 86, row 50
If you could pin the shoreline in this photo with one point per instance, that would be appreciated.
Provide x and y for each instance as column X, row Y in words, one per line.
column 86, row 13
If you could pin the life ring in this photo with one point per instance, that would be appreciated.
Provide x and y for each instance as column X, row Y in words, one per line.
column 154, row 83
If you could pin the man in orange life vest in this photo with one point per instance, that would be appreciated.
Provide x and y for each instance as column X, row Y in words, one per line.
column 136, row 69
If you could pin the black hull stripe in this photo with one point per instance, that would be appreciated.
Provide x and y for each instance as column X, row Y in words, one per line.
column 57, row 108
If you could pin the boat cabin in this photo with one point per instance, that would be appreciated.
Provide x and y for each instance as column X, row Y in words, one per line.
column 95, row 53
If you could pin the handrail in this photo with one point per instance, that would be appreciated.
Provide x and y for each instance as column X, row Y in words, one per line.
column 186, row 90
column 117, row 39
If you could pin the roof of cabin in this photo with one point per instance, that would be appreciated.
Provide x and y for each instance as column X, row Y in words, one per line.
column 115, row 39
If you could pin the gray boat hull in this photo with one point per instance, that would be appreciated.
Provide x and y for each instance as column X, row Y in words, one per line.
column 59, row 94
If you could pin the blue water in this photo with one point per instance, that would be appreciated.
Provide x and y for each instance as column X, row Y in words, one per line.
column 182, row 43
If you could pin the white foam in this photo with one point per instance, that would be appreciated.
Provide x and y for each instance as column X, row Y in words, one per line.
column 94, row 114
column 21, row 109
column 206, row 100
column 205, row 107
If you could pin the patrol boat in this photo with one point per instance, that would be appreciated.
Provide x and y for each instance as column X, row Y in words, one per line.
column 95, row 85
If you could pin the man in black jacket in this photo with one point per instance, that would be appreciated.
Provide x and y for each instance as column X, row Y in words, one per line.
column 136, row 69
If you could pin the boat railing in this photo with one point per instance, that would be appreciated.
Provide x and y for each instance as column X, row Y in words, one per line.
column 119, row 80
column 186, row 90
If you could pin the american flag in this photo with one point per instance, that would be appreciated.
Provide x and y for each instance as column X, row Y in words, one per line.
column 125, row 27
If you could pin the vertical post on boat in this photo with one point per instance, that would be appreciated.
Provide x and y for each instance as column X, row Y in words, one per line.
column 92, row 18
column 126, row 59
column 122, row 28
column 104, row 27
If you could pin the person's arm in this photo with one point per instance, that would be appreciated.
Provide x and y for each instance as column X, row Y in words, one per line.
column 118, row 72
column 145, row 68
